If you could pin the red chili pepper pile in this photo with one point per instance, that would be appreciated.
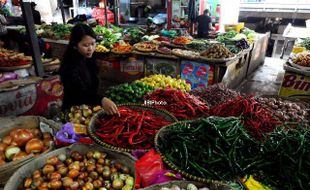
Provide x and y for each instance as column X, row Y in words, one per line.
column 182, row 105
column 257, row 119
column 134, row 129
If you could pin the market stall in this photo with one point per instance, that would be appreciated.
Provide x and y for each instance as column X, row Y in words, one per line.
column 296, row 81
column 180, row 125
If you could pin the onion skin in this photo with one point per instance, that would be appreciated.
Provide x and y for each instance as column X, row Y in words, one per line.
column 34, row 146
column 3, row 147
column 20, row 155
column 52, row 160
column 27, row 182
column 67, row 181
column 22, row 136
column 7, row 140
column 55, row 184
column 12, row 133
column 11, row 151
column 2, row 162
column 2, row 156
column 36, row 132
column 48, row 169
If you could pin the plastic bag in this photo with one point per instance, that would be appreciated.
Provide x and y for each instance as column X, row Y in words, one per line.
column 66, row 135
column 147, row 169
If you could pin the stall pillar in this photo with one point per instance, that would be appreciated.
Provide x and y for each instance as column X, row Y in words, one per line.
column 169, row 14
column 30, row 28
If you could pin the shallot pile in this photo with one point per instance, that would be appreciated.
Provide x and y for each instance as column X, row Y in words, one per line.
column 286, row 110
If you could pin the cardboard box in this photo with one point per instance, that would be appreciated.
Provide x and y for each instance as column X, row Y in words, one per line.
column 197, row 74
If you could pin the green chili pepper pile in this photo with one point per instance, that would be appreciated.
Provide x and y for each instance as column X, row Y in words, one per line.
column 287, row 158
column 213, row 148
column 220, row 148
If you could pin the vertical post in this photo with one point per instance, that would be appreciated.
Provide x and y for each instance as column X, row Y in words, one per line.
column 31, row 32
column 105, row 13
column 116, row 12
column 75, row 6
column 169, row 14
column 61, row 6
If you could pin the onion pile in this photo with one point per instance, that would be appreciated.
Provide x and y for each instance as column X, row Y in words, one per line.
column 93, row 170
column 286, row 110
column 19, row 143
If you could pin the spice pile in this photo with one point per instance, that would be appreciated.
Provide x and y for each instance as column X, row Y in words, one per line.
column 182, row 105
column 215, row 94
column 134, row 129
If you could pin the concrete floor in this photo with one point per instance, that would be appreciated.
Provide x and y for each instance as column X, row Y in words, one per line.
column 266, row 80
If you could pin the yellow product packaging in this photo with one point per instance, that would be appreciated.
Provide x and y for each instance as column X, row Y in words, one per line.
column 252, row 184
column 80, row 129
column 297, row 49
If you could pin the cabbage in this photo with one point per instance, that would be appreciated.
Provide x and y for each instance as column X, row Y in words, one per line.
column 239, row 37
column 252, row 36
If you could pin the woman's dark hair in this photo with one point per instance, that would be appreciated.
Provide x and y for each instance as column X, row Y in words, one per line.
column 206, row 12
column 77, row 34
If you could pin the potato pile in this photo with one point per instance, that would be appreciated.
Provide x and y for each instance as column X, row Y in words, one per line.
column 217, row 51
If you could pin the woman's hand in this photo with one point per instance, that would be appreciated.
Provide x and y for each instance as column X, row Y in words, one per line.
column 109, row 106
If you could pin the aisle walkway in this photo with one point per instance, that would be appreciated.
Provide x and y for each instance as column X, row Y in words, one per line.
column 266, row 79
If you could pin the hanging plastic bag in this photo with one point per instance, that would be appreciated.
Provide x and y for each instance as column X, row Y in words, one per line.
column 147, row 169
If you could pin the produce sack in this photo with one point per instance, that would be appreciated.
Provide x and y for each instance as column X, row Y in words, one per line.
column 147, row 169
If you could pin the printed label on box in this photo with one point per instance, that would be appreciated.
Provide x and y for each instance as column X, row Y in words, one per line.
column 33, row 99
column 295, row 86
column 162, row 66
column 197, row 74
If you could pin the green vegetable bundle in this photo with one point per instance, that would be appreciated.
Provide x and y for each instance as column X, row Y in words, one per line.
column 226, row 36
column 197, row 45
column 135, row 34
column 128, row 93
column 61, row 30
column 305, row 43
column 108, row 36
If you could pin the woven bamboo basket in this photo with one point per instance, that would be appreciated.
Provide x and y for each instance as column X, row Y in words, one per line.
column 163, row 133
column 23, row 122
column 16, row 181
column 92, row 125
